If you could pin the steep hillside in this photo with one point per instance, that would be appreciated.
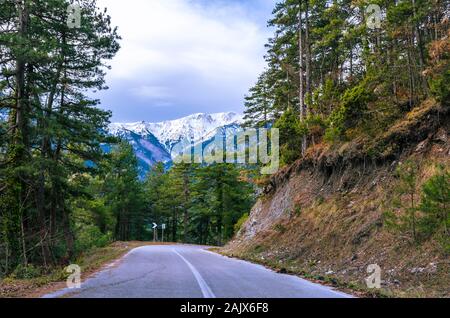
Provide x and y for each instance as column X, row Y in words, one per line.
column 147, row 148
column 323, row 216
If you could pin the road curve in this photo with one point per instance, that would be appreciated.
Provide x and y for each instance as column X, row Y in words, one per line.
column 185, row 271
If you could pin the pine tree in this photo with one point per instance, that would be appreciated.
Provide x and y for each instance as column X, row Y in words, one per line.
column 184, row 174
column 435, row 204
column 405, row 200
column 54, row 128
column 324, row 50
column 258, row 104
column 124, row 194
column 223, row 198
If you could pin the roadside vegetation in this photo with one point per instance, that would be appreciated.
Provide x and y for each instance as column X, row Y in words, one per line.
column 346, row 96
column 363, row 112
column 33, row 281
column 52, row 138
column 66, row 186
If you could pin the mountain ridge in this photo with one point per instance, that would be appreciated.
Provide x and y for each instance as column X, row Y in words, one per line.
column 154, row 142
column 169, row 132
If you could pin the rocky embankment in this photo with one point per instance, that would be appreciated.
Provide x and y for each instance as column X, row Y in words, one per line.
column 323, row 216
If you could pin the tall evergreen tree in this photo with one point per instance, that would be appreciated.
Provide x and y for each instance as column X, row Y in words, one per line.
column 328, row 63
column 53, row 127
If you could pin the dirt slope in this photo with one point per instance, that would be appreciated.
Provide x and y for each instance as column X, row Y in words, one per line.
column 322, row 217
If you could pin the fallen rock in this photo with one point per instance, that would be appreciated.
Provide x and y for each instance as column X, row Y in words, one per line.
column 422, row 146
column 441, row 136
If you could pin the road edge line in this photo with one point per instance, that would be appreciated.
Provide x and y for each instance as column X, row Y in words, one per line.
column 206, row 290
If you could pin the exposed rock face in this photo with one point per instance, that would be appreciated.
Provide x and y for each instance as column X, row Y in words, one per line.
column 266, row 213
column 323, row 215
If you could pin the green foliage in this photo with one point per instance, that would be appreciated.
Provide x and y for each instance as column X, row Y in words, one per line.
column 356, row 79
column 440, row 87
column 164, row 197
column 54, row 131
column 435, row 206
column 280, row 228
column 90, row 236
column 297, row 210
column 112, row 204
column 291, row 133
column 325, row 98
column 125, row 195
column 333, row 133
column 404, row 217
column 200, row 204
column 259, row 104
column 26, row 272
column 241, row 222
column 351, row 110
column 429, row 217
column 320, row 200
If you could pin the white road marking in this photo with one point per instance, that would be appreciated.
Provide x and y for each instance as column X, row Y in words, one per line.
column 292, row 276
column 207, row 292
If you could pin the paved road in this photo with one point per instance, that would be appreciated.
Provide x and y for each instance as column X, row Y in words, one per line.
column 181, row 271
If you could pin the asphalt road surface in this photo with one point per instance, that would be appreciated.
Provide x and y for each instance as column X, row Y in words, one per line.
column 184, row 271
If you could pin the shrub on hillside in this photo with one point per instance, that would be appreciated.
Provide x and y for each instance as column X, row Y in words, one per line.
column 440, row 87
column 240, row 222
column 435, row 206
column 89, row 236
column 26, row 272
column 291, row 133
column 404, row 216
column 350, row 111
column 425, row 218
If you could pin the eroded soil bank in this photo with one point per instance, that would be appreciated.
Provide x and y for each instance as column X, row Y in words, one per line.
column 323, row 216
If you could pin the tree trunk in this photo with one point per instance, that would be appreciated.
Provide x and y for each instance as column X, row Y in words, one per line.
column 300, row 45
column 301, row 75
column 24, row 246
column 308, row 72
column 14, row 198
column 416, row 32
column 186, row 208
column 308, row 54
column 174, row 225
column 68, row 234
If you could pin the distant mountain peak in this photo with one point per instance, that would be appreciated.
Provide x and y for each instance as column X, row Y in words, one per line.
column 154, row 142
column 170, row 132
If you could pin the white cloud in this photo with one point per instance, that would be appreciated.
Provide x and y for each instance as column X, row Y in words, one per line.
column 184, row 56
column 166, row 36
column 154, row 92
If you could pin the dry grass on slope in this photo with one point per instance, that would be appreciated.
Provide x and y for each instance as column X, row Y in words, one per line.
column 90, row 262
column 325, row 220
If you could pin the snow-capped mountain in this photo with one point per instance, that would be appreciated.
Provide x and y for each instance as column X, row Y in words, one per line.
column 154, row 142
column 147, row 148
column 194, row 127
column 171, row 132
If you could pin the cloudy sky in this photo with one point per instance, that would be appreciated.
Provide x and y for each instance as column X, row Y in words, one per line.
column 180, row 57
